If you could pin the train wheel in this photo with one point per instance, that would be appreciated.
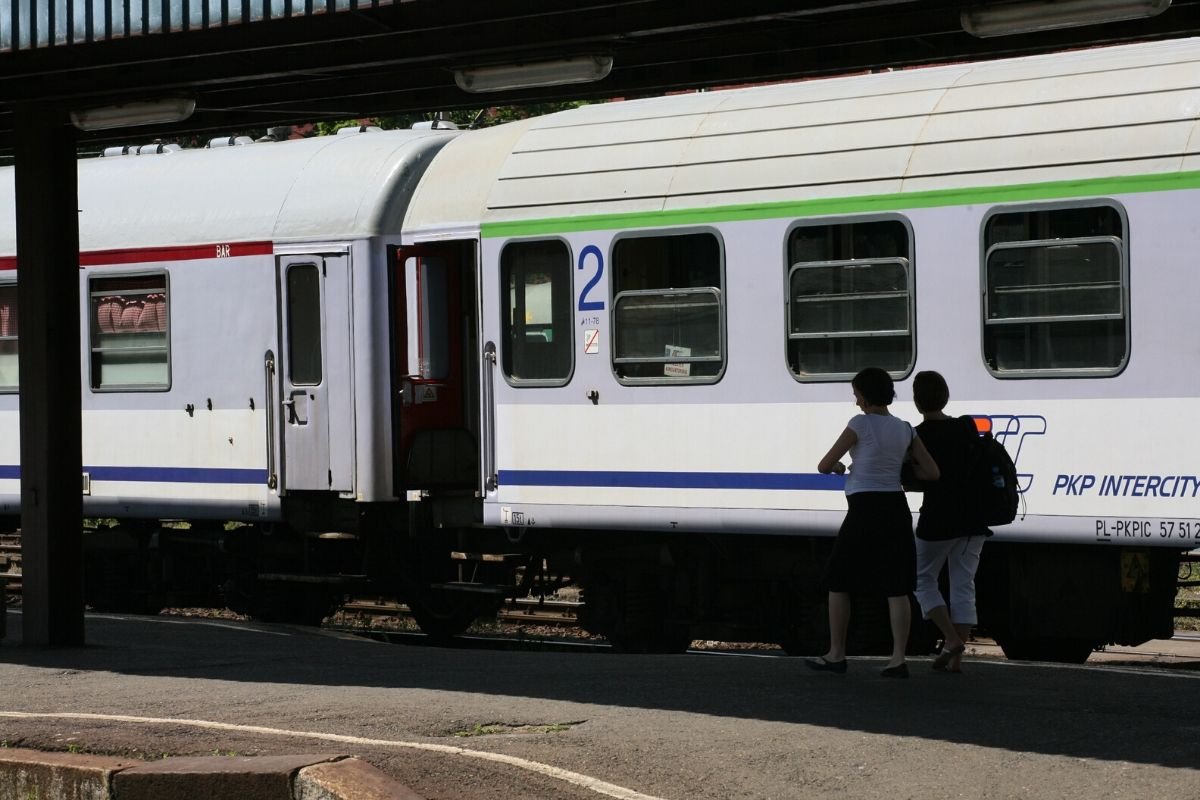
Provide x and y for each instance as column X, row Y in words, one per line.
column 643, row 626
column 644, row 643
column 443, row 614
column 804, row 628
column 795, row 645
column 118, row 573
column 659, row 639
column 127, row 603
column 1062, row 649
column 629, row 613
column 294, row 604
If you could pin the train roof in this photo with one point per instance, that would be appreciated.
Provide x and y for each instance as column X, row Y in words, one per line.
column 1106, row 112
column 329, row 187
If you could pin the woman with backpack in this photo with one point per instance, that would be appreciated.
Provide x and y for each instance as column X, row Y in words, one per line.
column 873, row 552
column 948, row 532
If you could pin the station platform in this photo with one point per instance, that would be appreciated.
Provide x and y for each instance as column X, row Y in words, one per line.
column 123, row 658
column 208, row 708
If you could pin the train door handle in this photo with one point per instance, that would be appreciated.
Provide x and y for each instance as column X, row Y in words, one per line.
column 291, row 407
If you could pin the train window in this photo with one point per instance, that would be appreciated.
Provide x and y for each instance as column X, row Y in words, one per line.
column 537, row 320
column 129, row 326
column 427, row 290
column 1056, row 295
column 8, row 338
column 668, row 311
column 850, row 299
column 304, row 324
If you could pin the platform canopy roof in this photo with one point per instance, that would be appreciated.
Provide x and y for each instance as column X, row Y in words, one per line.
column 250, row 64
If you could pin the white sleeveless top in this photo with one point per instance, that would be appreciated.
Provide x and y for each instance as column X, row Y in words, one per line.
column 877, row 455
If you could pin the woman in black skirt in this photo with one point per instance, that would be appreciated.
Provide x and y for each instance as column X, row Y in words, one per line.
column 874, row 552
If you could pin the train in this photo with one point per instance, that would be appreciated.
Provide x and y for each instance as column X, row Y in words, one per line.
column 608, row 346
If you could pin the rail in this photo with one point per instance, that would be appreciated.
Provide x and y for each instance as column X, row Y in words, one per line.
column 522, row 611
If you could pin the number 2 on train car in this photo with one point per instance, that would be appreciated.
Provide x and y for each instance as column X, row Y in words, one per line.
column 584, row 303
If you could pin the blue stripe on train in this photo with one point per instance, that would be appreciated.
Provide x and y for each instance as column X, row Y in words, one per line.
column 160, row 474
column 672, row 480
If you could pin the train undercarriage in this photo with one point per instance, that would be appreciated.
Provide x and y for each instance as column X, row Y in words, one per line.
column 645, row 593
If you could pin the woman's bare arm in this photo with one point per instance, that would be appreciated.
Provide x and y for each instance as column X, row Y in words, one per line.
column 832, row 462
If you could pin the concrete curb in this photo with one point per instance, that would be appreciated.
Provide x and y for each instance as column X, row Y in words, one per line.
column 26, row 774
column 348, row 779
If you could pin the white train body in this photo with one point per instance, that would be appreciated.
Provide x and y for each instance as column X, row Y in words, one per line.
column 1100, row 446
column 633, row 325
column 211, row 430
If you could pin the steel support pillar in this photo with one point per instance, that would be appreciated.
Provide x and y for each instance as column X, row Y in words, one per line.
column 48, row 303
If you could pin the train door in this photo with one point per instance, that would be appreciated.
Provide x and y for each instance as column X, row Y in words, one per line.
column 316, row 414
column 432, row 313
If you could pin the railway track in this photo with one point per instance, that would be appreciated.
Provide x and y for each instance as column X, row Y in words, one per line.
column 522, row 611
column 563, row 614
column 10, row 565
column 375, row 615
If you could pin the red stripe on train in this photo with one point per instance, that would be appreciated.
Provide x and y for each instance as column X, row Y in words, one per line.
column 191, row 252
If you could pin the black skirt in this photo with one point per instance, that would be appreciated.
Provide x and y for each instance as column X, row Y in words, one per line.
column 875, row 552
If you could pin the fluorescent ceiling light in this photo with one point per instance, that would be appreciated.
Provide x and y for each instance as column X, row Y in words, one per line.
column 154, row 112
column 498, row 78
column 1003, row 19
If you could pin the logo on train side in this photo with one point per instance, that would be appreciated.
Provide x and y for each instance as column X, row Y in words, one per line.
column 224, row 251
column 1011, row 430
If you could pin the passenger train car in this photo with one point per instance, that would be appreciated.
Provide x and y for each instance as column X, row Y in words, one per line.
column 611, row 344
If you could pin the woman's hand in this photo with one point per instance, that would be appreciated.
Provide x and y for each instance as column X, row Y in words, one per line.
column 839, row 468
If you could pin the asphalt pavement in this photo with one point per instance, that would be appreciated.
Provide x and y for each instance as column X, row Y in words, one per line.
column 467, row 724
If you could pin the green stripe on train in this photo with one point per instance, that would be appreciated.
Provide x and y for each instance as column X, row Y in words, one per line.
column 975, row 195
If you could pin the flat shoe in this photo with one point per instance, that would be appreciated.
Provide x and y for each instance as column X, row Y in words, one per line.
column 898, row 671
column 946, row 656
column 821, row 665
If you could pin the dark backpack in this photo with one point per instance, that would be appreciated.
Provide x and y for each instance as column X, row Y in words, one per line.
column 992, row 476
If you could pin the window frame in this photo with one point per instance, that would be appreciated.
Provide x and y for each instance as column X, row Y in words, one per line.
column 908, row 262
column 94, row 350
column 537, row 383
column 5, row 389
column 1122, row 247
column 614, row 297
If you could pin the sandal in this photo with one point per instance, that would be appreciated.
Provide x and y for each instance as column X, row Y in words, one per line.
column 821, row 665
column 946, row 656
